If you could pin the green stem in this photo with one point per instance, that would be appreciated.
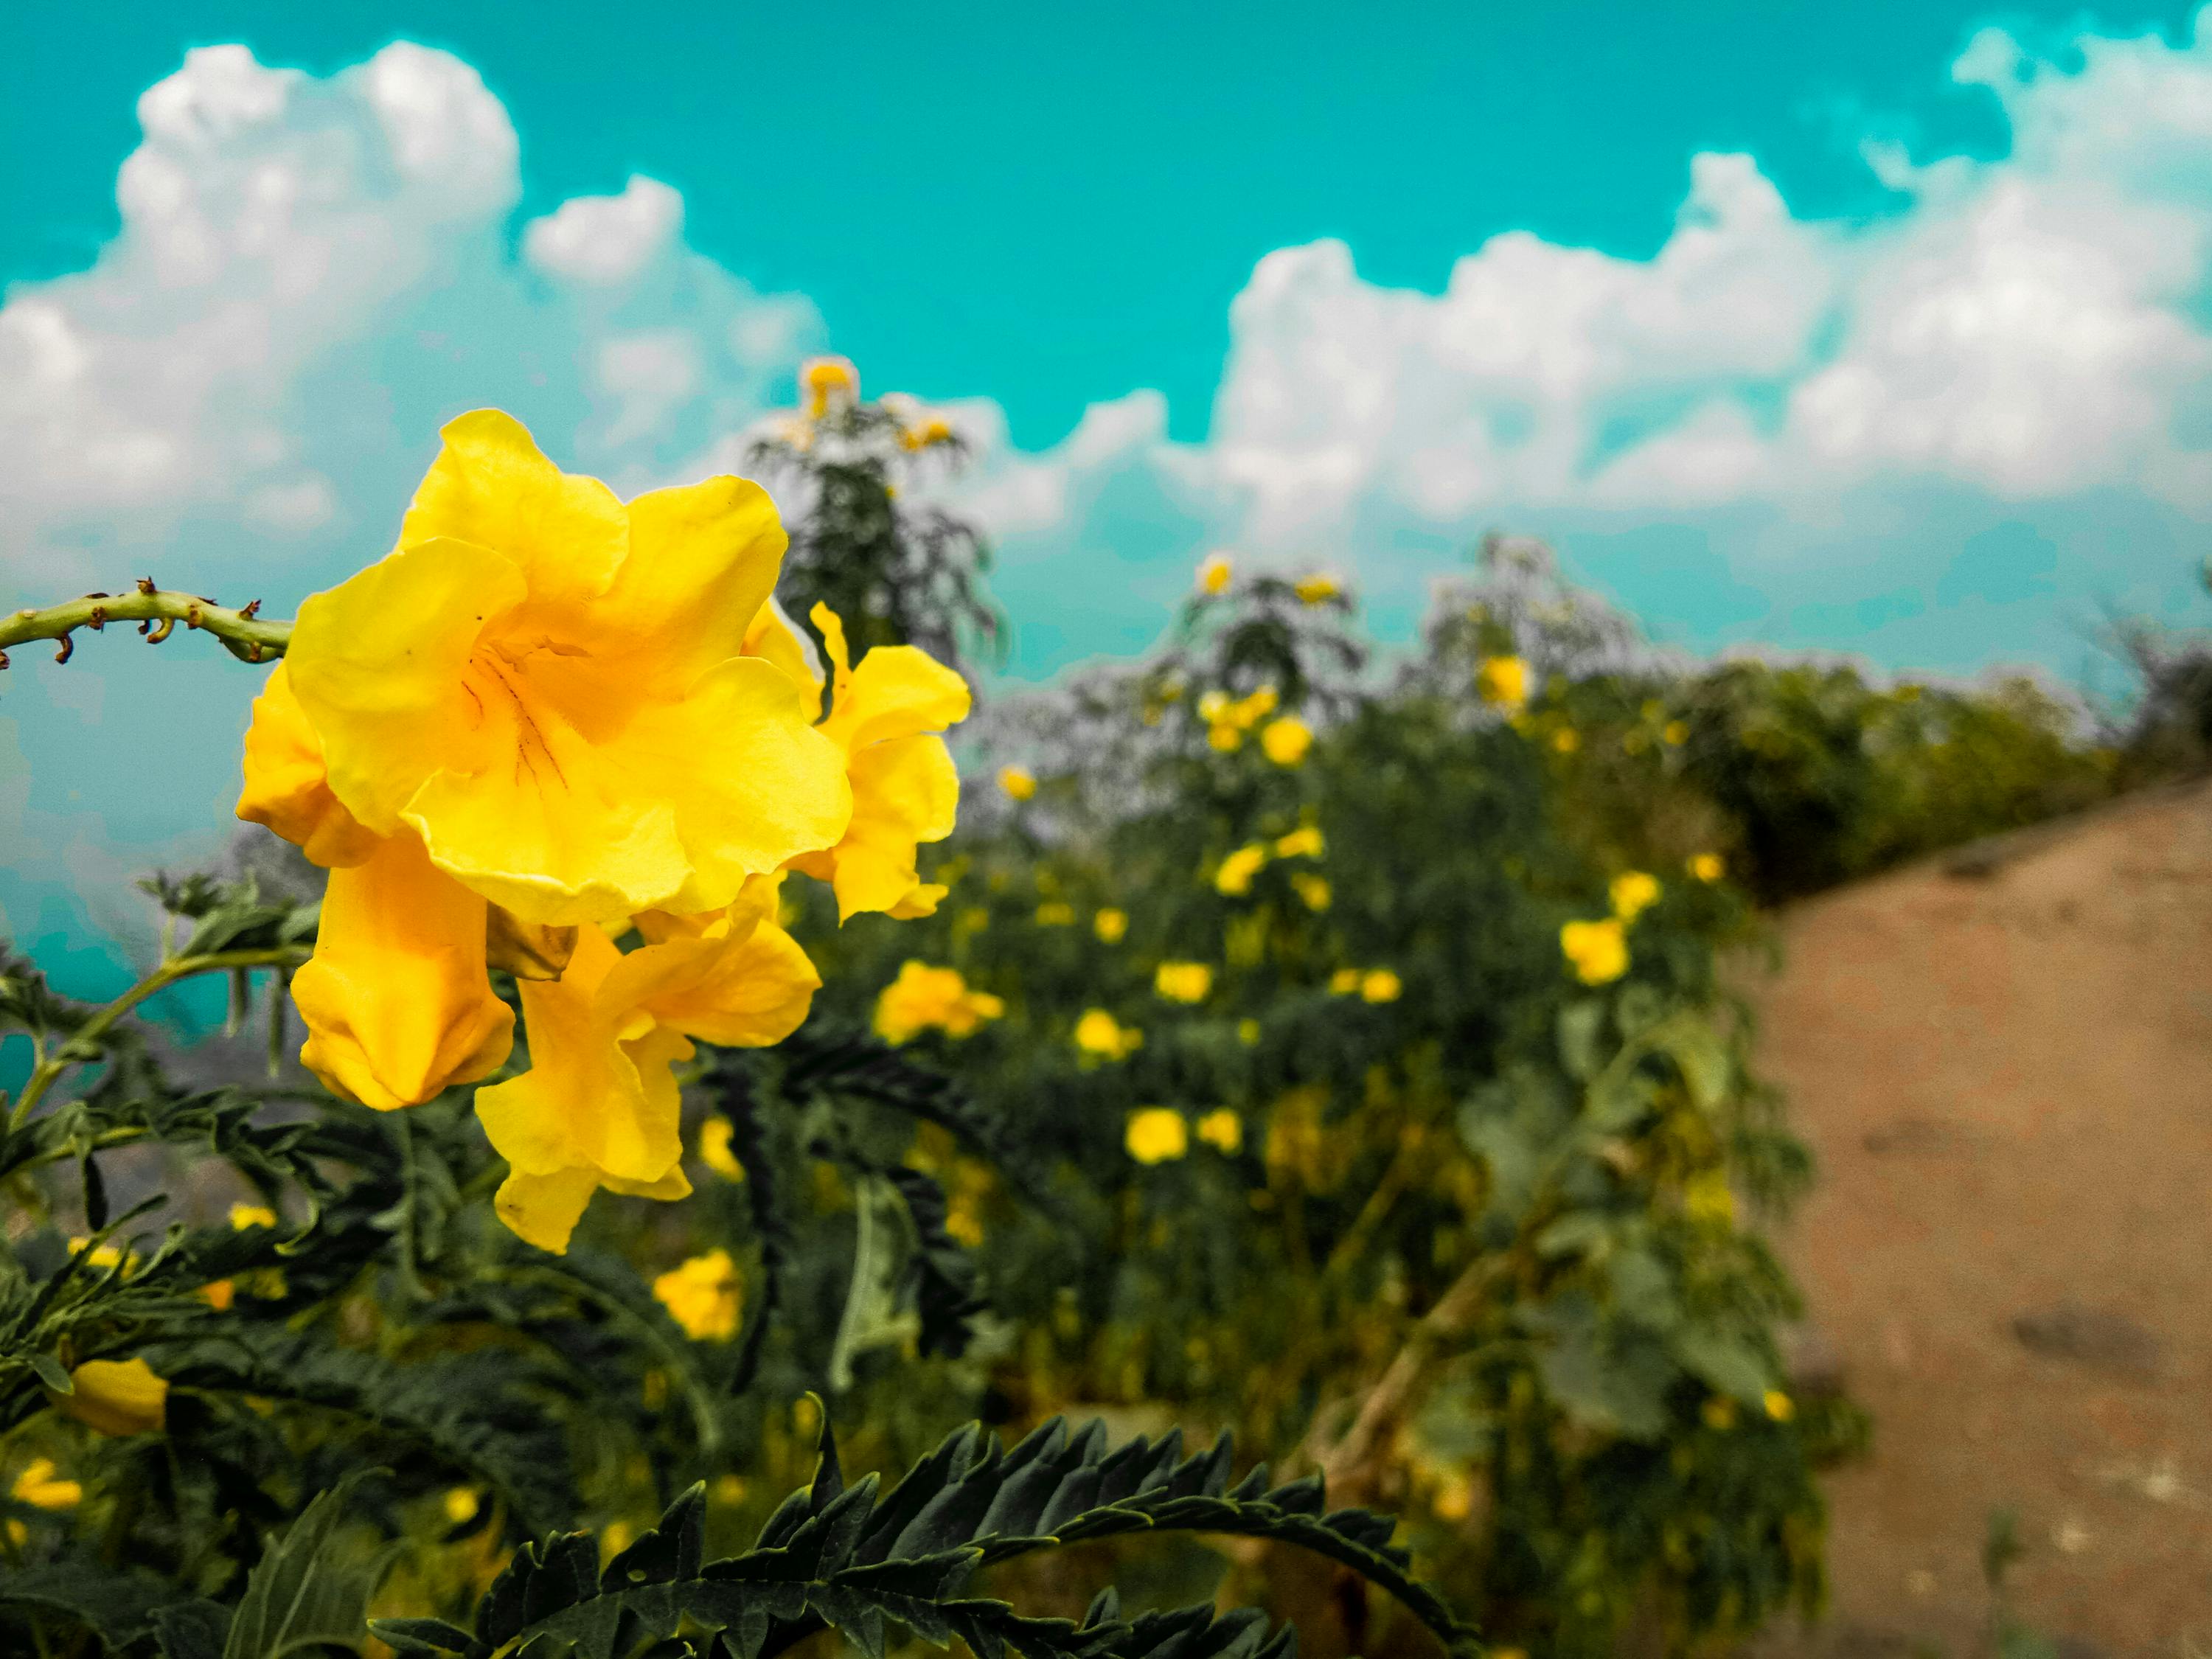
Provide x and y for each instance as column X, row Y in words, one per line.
column 83, row 1043
column 156, row 611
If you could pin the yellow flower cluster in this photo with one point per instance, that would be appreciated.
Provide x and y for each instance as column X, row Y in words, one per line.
column 923, row 997
column 1229, row 718
column 1159, row 1134
column 1503, row 682
column 705, row 1296
column 1099, row 1033
column 1183, row 982
column 1233, row 878
column 549, row 716
column 1598, row 950
column 1368, row 984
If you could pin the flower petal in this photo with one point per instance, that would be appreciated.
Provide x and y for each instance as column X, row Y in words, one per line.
column 905, row 791
column 396, row 998
column 702, row 562
column 544, row 1209
column 772, row 634
column 287, row 787
column 746, row 991
column 376, row 663
column 897, row 692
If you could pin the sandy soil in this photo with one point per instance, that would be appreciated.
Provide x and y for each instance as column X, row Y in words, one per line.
column 2003, row 1063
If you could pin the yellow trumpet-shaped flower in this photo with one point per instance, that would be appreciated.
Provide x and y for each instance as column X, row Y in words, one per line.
column 1707, row 866
column 287, row 787
column 1286, row 740
column 1018, row 782
column 1234, row 877
column 1183, row 982
column 705, row 1296
column 1111, row 925
column 1214, row 573
column 1598, row 950
column 826, row 382
column 884, row 716
column 715, row 1150
column 1157, row 1135
column 923, row 997
column 1504, row 682
column 1632, row 893
column 598, row 1106
column 1306, row 842
column 1098, row 1033
column 1380, row 984
column 540, row 682
column 1222, row 1129
column 1313, row 890
column 1317, row 588
column 116, row 1397
column 39, row 1486
column 243, row 1216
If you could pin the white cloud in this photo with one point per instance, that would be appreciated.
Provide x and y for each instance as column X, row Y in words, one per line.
column 606, row 239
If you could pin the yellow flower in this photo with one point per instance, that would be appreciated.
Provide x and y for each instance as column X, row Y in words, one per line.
column 1234, row 877
column 1157, row 1135
column 1222, row 1129
column 1566, row 740
column 1300, row 843
column 38, row 1486
column 1183, row 982
column 926, row 434
column 598, row 1106
column 1111, row 925
column 1598, row 950
column 1055, row 913
column 1380, row 984
column 1317, row 588
column 826, row 382
column 1675, row 733
column 1633, row 892
column 461, row 1505
column 1313, row 890
column 1099, row 1033
column 1708, row 866
column 884, row 717
column 1225, row 737
column 923, row 997
column 1286, row 740
column 101, row 1257
column 1503, row 682
column 219, row 1294
column 1018, row 782
column 115, row 1397
column 1719, row 1413
column 288, row 788
column 1247, row 1032
column 243, row 1216
column 1214, row 573
column 1454, row 1501
column 1779, row 1406
column 1706, row 1198
column 715, row 1150
column 1345, row 982
column 705, row 1296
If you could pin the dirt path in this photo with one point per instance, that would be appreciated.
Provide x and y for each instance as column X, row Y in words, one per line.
column 2005, row 1070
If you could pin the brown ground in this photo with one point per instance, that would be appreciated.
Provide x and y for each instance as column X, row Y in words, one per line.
column 2004, row 1063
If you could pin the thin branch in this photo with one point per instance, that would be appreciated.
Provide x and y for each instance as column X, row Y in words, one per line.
column 243, row 634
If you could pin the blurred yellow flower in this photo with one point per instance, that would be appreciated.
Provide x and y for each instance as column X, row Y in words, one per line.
column 1566, row 740
column 1018, row 782
column 1504, row 682
column 705, row 1296
column 1099, row 1033
column 1157, row 1135
column 1183, row 982
column 1633, row 892
column 1300, row 843
column 1706, row 1198
column 1313, row 890
column 826, row 382
column 1719, row 1413
column 1317, row 588
column 923, row 997
column 38, row 1486
column 1234, row 877
column 461, row 1505
column 1222, row 1129
column 927, row 435
column 1454, row 1501
column 1225, row 737
column 1675, row 733
column 115, row 1397
column 1214, row 572
column 1779, row 1406
column 715, row 1149
column 1286, row 740
column 1380, row 984
column 1597, row 950
column 1110, row 924
column 1708, row 866
column 243, row 1216
column 101, row 1257
column 1055, row 913
column 1345, row 982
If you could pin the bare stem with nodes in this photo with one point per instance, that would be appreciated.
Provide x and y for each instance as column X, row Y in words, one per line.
column 157, row 610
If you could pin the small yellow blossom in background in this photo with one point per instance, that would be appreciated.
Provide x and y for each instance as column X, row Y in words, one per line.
column 1706, row 1197
column 1234, row 877
column 1018, row 782
column 1454, row 1501
column 1286, row 740
column 1633, row 892
column 102, row 1258
column 1566, row 740
column 1345, row 982
column 1111, row 925
column 1381, row 984
column 38, row 1486
column 705, row 1296
column 1222, row 1129
column 243, row 1216
column 219, row 1294
column 1301, row 843
column 1779, row 1406
column 1054, row 913
column 728, row 1489
column 1708, row 866
column 715, row 1150
column 1674, row 734
column 826, row 382
column 116, row 1397
column 926, row 434
column 1503, row 682
column 1226, row 737
column 1317, row 588
column 1214, row 573
column 1099, row 1033
column 1157, row 1135
column 923, row 997
column 1719, row 1413
column 1247, row 1032
column 1183, row 982
column 461, row 1505
column 1313, row 890
column 1597, row 950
